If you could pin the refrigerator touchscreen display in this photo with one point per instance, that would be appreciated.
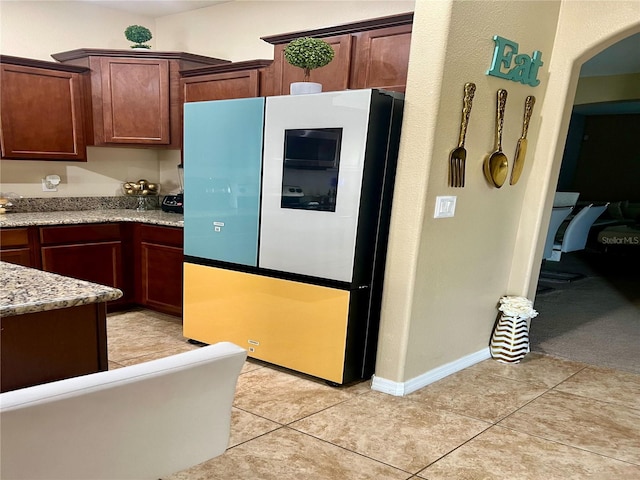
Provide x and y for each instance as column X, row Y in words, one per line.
column 310, row 168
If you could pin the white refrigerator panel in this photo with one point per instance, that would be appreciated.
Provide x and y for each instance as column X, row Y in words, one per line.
column 313, row 242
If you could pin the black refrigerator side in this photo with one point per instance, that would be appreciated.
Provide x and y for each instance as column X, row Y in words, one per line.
column 381, row 158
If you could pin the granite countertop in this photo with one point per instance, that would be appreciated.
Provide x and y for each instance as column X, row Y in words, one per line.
column 155, row 217
column 27, row 290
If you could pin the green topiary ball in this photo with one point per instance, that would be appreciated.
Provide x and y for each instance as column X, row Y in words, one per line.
column 308, row 53
column 138, row 35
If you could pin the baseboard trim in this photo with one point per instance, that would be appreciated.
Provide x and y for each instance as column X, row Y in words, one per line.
column 400, row 389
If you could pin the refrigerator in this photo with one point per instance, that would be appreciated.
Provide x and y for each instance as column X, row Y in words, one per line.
column 286, row 221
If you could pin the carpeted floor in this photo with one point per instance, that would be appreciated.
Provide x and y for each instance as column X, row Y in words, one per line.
column 595, row 319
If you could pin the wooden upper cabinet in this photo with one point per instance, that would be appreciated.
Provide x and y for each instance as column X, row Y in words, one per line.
column 135, row 101
column 334, row 76
column 370, row 53
column 42, row 114
column 226, row 81
column 381, row 58
column 135, row 96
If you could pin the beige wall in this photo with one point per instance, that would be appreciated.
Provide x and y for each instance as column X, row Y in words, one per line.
column 442, row 307
column 101, row 176
column 609, row 88
column 232, row 30
column 36, row 29
column 445, row 276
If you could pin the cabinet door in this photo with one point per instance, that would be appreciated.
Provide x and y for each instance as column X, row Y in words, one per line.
column 158, row 267
column 135, row 101
column 42, row 114
column 221, row 86
column 334, row 76
column 161, row 267
column 93, row 262
column 77, row 252
column 381, row 58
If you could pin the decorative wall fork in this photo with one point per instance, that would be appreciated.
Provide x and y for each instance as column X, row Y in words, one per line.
column 458, row 156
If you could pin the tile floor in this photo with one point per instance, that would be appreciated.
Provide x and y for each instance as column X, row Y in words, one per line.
column 545, row 418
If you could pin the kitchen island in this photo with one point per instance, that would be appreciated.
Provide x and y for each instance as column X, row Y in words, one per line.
column 51, row 327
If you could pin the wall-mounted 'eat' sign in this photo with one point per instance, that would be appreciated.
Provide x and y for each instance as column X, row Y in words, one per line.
column 510, row 65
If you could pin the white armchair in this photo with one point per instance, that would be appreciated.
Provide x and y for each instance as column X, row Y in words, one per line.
column 575, row 236
column 565, row 199
column 558, row 215
column 139, row 422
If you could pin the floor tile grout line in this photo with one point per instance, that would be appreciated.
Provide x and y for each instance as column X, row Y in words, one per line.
column 588, row 367
column 286, row 424
column 444, row 408
column 489, row 427
column 353, row 451
column 260, row 416
column 576, row 447
column 355, row 396
column 548, row 389
column 280, row 427
column 599, row 400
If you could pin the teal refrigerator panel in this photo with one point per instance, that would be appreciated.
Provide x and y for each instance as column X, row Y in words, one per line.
column 222, row 170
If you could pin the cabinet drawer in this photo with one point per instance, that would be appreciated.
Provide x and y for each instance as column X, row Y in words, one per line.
column 100, row 232
column 19, row 256
column 15, row 237
column 171, row 236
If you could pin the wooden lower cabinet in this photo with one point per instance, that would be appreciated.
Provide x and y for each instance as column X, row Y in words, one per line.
column 19, row 246
column 144, row 261
column 43, row 347
column 91, row 252
column 159, row 258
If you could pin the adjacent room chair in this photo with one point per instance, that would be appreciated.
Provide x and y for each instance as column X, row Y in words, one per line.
column 575, row 236
column 144, row 421
column 558, row 215
column 565, row 199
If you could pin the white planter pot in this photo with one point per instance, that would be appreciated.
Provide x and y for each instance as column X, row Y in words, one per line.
column 303, row 88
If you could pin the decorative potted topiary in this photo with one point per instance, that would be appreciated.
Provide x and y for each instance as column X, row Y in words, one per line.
column 138, row 35
column 308, row 53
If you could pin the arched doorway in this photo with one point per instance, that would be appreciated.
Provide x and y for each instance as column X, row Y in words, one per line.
column 564, row 333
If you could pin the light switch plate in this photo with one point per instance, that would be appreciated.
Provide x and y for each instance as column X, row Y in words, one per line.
column 445, row 207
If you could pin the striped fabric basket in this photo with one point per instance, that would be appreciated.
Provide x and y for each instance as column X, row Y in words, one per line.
column 510, row 339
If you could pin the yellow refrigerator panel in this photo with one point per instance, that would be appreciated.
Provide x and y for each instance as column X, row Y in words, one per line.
column 297, row 325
